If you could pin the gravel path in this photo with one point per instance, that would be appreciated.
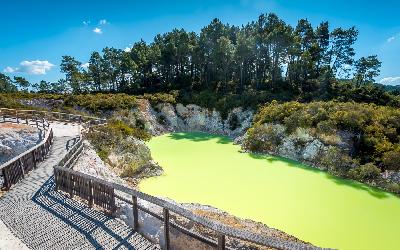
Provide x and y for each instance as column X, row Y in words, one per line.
column 45, row 219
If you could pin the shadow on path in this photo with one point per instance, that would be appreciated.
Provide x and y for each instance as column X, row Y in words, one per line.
column 101, row 230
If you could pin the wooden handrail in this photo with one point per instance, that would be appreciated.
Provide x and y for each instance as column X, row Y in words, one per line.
column 167, row 206
column 82, row 117
column 85, row 191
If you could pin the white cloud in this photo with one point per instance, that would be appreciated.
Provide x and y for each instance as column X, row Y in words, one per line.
column 9, row 69
column 86, row 23
column 36, row 67
column 97, row 30
column 128, row 49
column 85, row 65
column 103, row 22
column 391, row 39
column 391, row 81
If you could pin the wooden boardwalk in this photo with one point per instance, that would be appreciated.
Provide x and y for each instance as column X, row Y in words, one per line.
column 45, row 219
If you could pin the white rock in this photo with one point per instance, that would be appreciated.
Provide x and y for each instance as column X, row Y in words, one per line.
column 288, row 149
column 312, row 149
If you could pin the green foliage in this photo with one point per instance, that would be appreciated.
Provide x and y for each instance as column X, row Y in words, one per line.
column 336, row 161
column 375, row 130
column 6, row 84
column 101, row 102
column 120, row 129
column 376, row 126
column 6, row 101
column 156, row 98
column 391, row 160
column 366, row 172
column 264, row 138
column 106, row 137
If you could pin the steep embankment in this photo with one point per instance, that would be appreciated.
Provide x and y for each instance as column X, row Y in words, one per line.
column 166, row 117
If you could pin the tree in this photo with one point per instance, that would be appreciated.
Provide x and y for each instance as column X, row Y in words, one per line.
column 43, row 87
column 367, row 68
column 73, row 73
column 6, row 84
column 95, row 71
column 22, row 82
column 342, row 51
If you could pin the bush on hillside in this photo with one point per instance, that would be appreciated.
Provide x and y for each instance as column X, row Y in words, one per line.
column 366, row 172
column 101, row 102
column 264, row 138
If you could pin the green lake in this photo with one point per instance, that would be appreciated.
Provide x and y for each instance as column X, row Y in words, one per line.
column 302, row 201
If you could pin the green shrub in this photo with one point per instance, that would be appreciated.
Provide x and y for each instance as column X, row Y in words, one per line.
column 120, row 128
column 375, row 128
column 101, row 102
column 264, row 138
column 391, row 160
column 365, row 172
column 6, row 101
column 336, row 161
column 157, row 98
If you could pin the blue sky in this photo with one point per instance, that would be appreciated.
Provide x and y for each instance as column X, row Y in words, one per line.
column 35, row 34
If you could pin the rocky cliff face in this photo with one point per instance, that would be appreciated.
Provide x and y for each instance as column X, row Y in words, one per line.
column 301, row 145
column 165, row 117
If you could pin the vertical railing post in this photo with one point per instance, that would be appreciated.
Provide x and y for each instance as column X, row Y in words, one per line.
column 56, row 180
column 71, row 186
column 6, row 179
column 21, row 165
column 221, row 242
column 166, row 228
column 34, row 158
column 90, row 193
column 135, row 213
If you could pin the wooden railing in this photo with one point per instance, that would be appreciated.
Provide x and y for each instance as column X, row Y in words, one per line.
column 19, row 114
column 15, row 169
column 104, row 194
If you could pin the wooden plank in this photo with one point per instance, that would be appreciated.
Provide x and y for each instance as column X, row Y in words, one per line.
column 221, row 242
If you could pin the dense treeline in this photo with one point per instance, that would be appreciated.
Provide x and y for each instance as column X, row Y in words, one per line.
column 227, row 65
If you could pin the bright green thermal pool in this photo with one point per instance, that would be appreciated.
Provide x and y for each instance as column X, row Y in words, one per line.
column 302, row 201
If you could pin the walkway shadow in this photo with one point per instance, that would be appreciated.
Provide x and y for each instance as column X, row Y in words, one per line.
column 71, row 143
column 199, row 137
column 101, row 230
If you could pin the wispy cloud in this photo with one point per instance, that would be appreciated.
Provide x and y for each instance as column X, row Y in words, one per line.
column 127, row 49
column 86, row 23
column 9, row 69
column 103, row 22
column 97, row 30
column 391, row 39
column 391, row 80
column 36, row 67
